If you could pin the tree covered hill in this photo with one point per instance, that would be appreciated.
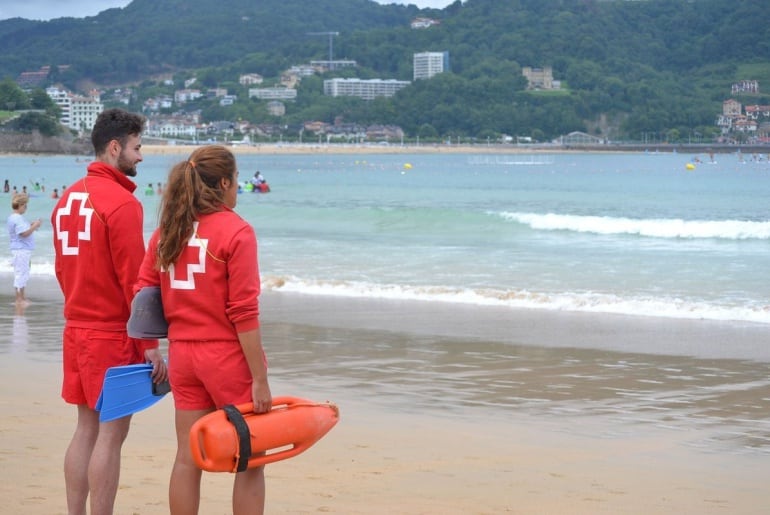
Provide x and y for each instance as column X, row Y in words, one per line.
column 149, row 36
column 627, row 67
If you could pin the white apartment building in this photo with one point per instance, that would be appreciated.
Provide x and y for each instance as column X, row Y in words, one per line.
column 366, row 89
column 302, row 70
column 171, row 127
column 158, row 103
column 84, row 111
column 61, row 98
column 182, row 96
column 428, row 64
column 273, row 93
column 77, row 112
column 250, row 79
column 325, row 66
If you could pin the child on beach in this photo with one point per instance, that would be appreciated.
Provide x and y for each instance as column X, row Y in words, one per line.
column 204, row 258
column 20, row 232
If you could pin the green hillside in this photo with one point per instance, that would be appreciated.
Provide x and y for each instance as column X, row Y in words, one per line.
column 628, row 68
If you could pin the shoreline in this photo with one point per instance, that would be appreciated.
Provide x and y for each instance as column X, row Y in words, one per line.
column 539, row 328
column 436, row 148
column 152, row 147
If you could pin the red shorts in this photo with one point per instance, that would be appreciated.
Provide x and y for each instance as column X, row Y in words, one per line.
column 87, row 355
column 206, row 375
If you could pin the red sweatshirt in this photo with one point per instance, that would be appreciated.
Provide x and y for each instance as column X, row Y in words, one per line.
column 212, row 291
column 99, row 247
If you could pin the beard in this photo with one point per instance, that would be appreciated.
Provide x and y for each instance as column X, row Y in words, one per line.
column 125, row 166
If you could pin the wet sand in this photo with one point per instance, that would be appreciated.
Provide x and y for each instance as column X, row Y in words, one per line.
column 444, row 409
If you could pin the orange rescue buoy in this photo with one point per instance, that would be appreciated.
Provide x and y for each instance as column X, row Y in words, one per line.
column 234, row 438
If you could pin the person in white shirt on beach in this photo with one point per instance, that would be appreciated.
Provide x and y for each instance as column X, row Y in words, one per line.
column 22, row 239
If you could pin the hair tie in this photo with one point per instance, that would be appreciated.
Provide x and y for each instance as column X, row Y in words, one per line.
column 192, row 163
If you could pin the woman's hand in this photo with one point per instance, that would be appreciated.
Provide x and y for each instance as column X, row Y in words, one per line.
column 261, row 396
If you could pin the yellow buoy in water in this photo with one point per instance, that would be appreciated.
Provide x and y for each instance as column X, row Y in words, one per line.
column 407, row 166
column 690, row 166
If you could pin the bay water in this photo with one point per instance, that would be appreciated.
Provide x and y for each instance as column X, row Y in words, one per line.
column 641, row 234
column 664, row 259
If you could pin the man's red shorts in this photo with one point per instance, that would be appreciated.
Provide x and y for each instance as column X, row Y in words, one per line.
column 88, row 353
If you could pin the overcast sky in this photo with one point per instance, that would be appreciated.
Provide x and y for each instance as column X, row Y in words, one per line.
column 48, row 9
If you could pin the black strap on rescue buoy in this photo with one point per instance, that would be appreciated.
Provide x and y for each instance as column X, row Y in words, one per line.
column 244, row 438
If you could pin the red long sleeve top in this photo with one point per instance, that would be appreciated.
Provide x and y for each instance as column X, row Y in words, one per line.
column 99, row 245
column 212, row 291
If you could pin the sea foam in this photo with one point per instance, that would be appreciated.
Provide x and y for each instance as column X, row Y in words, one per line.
column 588, row 302
column 654, row 228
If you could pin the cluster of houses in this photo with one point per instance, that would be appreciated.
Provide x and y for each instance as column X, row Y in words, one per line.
column 79, row 112
column 188, row 126
column 737, row 121
column 751, row 121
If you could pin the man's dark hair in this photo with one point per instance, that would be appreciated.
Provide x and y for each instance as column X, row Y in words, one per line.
column 115, row 124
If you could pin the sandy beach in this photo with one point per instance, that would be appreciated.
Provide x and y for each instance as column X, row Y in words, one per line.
column 152, row 147
column 444, row 409
column 394, row 148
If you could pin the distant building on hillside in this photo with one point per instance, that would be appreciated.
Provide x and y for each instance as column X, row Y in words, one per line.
column 173, row 126
column 739, row 119
column 216, row 93
column 757, row 112
column 304, row 70
column 84, row 110
column 577, row 138
column 423, row 23
column 366, row 89
column 732, row 107
column 182, row 96
column 336, row 64
column 157, row 103
column 732, row 112
column 384, row 133
column 250, row 79
column 30, row 80
column 745, row 86
column 273, row 93
column 228, row 100
column 428, row 64
column 37, row 79
column 539, row 78
column 77, row 112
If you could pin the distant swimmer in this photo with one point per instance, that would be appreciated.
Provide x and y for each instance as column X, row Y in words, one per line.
column 258, row 183
column 257, row 179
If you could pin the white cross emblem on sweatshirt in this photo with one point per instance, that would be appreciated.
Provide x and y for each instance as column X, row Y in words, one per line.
column 85, row 234
column 192, row 268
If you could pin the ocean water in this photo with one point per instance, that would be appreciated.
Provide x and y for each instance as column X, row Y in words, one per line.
column 626, row 233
